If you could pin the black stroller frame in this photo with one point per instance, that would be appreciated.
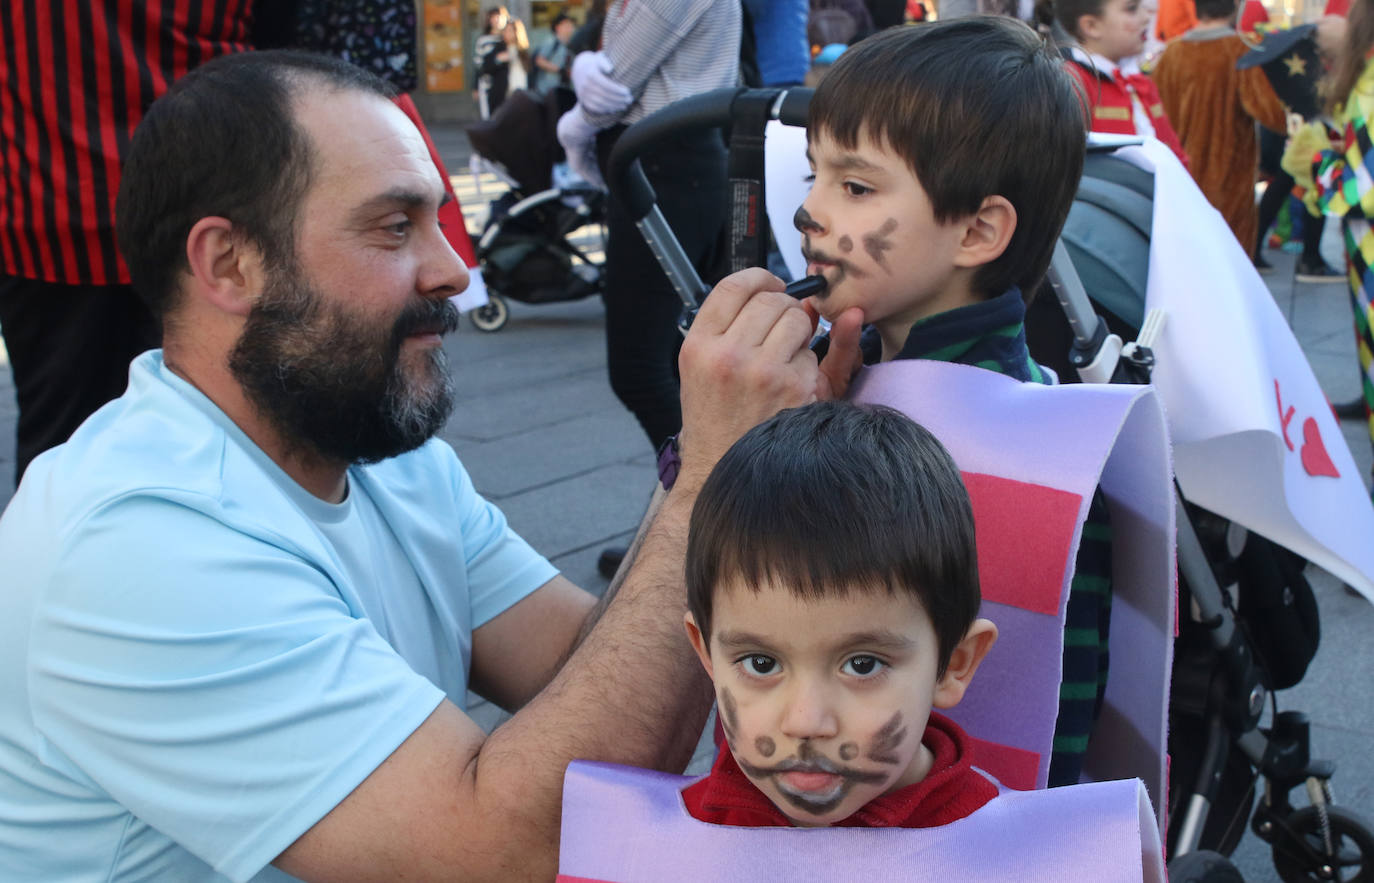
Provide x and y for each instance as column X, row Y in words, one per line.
column 1321, row 841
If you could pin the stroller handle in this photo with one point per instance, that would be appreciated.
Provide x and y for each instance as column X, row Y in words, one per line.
column 630, row 186
column 708, row 110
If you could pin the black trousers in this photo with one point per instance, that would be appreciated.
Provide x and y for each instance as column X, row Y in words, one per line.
column 642, row 340
column 69, row 348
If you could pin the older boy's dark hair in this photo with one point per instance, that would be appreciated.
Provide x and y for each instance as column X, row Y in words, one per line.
column 977, row 106
column 1068, row 12
column 223, row 141
column 832, row 498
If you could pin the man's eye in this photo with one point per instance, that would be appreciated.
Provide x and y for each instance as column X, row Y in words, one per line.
column 400, row 228
column 863, row 666
column 760, row 665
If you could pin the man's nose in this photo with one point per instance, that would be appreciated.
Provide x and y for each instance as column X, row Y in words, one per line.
column 810, row 713
column 444, row 273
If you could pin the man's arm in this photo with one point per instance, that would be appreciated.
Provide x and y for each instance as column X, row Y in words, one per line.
column 450, row 803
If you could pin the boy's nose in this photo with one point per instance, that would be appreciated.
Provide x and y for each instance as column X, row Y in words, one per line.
column 809, row 715
column 803, row 221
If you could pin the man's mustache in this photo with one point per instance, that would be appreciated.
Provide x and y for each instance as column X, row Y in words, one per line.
column 426, row 316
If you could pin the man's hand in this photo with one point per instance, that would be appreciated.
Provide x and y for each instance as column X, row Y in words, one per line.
column 596, row 91
column 578, row 138
column 745, row 359
column 844, row 358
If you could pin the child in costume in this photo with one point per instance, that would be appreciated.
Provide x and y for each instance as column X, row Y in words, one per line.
column 832, row 585
column 1215, row 107
column 945, row 159
column 1337, row 172
column 1111, row 35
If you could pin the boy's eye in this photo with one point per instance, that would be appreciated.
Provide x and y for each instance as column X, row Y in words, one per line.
column 760, row 665
column 863, row 666
column 810, row 179
column 854, row 189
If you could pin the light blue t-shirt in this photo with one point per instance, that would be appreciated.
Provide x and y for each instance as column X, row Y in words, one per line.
column 199, row 659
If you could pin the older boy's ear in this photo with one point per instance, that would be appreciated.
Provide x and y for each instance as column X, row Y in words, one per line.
column 1089, row 27
column 987, row 233
column 963, row 663
column 227, row 271
column 698, row 642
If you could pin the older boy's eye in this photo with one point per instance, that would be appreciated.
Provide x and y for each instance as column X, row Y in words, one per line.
column 760, row 665
column 863, row 666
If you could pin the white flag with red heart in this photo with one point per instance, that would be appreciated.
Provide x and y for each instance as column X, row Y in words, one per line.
column 1254, row 437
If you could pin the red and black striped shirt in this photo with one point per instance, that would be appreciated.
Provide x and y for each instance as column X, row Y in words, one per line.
column 76, row 76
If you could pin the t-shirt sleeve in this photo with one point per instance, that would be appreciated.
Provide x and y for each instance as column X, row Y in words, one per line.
column 213, row 683
column 501, row 567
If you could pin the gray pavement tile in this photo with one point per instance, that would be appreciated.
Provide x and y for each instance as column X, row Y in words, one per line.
column 508, row 414
column 580, row 566
column 583, row 444
column 584, row 511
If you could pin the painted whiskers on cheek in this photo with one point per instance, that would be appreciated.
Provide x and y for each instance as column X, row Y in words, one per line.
column 878, row 241
column 887, row 740
column 729, row 717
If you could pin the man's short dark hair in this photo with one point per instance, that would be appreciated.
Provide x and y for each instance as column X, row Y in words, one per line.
column 1211, row 10
column 1068, row 12
column 832, row 498
column 223, row 141
column 977, row 106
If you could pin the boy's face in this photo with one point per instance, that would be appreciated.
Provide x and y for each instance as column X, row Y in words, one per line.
column 824, row 701
column 1120, row 31
column 869, row 228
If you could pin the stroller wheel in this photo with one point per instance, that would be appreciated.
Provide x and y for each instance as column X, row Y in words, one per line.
column 1203, row 866
column 1302, row 854
column 491, row 316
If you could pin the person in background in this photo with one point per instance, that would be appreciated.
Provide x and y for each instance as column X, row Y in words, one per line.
column 515, row 56
column 1215, row 107
column 484, row 51
column 1110, row 35
column 1338, row 171
column 70, row 319
column 780, row 47
column 552, row 59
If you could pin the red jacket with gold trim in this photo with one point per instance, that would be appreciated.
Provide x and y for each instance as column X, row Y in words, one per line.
column 1109, row 103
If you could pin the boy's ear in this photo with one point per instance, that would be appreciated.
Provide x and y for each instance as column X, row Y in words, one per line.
column 987, row 233
column 963, row 662
column 698, row 642
column 227, row 270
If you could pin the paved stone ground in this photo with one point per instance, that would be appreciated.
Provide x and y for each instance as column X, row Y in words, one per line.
column 542, row 435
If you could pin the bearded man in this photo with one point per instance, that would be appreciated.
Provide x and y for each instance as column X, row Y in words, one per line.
column 243, row 604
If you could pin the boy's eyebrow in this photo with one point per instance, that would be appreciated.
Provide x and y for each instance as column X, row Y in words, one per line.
column 737, row 638
column 846, row 162
column 878, row 639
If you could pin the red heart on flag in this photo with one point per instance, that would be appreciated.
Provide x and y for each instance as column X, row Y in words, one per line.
column 1314, row 457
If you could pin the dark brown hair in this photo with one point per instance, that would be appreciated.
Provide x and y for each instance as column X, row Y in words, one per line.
column 1068, row 12
column 833, row 498
column 1359, row 40
column 977, row 107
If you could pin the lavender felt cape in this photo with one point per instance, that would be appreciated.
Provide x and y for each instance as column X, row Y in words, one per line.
column 1032, row 456
column 624, row 825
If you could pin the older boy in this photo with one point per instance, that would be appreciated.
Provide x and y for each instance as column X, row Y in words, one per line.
column 832, row 584
column 945, row 158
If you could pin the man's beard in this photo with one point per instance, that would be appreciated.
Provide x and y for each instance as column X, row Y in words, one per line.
column 332, row 386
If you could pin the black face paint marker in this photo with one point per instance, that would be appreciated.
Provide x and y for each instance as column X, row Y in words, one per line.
column 804, row 288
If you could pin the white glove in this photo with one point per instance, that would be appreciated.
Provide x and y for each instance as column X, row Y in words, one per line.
column 578, row 138
column 595, row 89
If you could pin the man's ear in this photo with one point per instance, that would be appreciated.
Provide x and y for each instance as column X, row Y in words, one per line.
column 963, row 662
column 227, row 270
column 698, row 642
column 987, row 233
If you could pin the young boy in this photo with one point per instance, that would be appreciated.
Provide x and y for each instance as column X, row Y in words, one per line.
column 1111, row 35
column 832, row 584
column 945, row 159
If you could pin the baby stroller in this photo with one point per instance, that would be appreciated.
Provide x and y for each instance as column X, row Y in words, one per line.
column 1253, row 626
column 527, row 249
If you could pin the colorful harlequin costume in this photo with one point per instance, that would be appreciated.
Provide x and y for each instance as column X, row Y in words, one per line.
column 1122, row 100
column 1339, row 173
